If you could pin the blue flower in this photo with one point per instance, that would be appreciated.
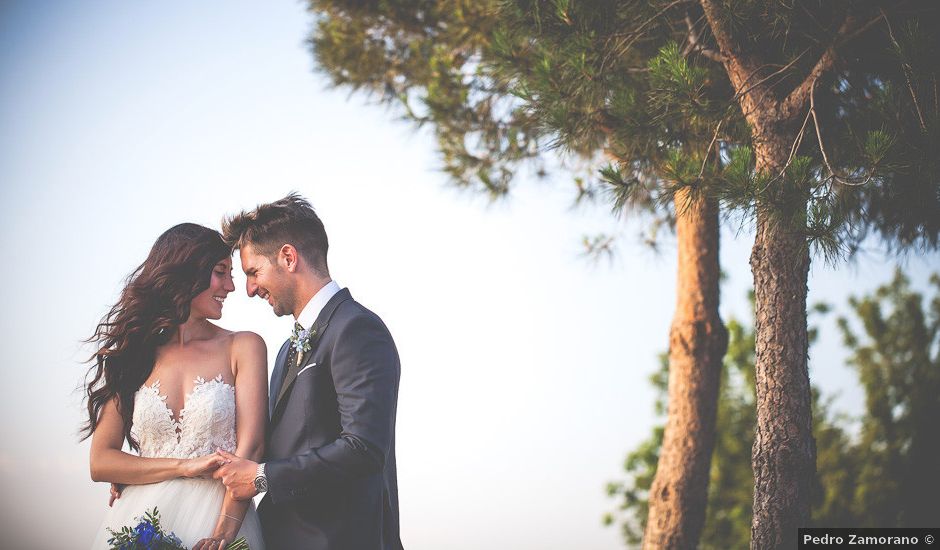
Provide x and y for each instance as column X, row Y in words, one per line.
column 145, row 533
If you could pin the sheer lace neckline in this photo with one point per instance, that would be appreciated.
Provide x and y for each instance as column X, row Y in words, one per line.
column 205, row 423
column 198, row 382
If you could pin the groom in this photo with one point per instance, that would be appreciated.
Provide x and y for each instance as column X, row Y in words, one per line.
column 329, row 473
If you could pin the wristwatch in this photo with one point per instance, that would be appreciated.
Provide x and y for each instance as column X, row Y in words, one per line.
column 261, row 482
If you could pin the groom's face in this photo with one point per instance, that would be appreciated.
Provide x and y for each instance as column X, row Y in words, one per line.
column 267, row 280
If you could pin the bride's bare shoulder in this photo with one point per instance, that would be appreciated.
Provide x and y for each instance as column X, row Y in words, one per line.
column 248, row 346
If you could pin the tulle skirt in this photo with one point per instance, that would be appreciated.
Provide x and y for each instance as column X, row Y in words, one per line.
column 189, row 508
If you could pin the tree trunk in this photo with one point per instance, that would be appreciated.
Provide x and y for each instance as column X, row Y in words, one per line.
column 784, row 452
column 697, row 344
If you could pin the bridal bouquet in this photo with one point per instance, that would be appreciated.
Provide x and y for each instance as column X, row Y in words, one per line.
column 148, row 535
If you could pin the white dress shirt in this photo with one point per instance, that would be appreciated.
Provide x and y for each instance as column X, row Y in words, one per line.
column 312, row 310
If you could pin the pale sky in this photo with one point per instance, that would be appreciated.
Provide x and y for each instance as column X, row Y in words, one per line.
column 524, row 366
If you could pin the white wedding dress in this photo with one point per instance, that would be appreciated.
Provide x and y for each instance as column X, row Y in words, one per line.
column 188, row 507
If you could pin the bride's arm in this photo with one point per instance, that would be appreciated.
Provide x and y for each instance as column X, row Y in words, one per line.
column 108, row 462
column 251, row 416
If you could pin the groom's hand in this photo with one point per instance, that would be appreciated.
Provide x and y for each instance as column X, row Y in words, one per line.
column 116, row 490
column 238, row 475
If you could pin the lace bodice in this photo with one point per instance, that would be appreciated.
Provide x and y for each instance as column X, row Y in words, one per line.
column 206, row 422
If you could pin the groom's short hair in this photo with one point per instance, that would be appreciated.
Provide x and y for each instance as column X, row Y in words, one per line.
column 270, row 226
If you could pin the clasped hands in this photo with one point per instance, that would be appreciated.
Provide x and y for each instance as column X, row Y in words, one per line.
column 237, row 474
column 199, row 467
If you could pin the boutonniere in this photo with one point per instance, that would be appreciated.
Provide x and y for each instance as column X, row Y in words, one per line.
column 300, row 341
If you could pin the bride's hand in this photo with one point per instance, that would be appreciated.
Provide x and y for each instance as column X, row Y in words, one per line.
column 201, row 466
column 210, row 543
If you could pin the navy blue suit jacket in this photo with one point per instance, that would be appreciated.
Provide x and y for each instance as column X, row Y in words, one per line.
column 330, row 454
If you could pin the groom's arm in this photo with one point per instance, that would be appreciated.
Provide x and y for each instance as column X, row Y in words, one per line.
column 365, row 369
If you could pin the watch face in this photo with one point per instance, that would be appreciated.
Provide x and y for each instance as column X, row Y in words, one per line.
column 261, row 484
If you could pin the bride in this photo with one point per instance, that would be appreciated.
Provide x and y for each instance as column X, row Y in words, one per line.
column 177, row 388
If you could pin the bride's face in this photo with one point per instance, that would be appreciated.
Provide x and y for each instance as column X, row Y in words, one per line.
column 208, row 303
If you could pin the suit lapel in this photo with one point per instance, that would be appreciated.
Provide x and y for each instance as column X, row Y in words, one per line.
column 277, row 377
column 294, row 364
column 317, row 329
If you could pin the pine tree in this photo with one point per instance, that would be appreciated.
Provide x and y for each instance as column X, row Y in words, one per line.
column 884, row 477
column 814, row 118
column 730, row 485
column 823, row 115
column 437, row 61
column 898, row 362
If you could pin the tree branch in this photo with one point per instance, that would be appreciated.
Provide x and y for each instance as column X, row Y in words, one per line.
column 908, row 71
column 695, row 43
column 634, row 35
column 833, row 176
column 710, row 145
column 848, row 30
column 768, row 77
column 736, row 62
column 801, row 93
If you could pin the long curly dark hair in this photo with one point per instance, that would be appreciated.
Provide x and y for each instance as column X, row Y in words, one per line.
column 155, row 300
